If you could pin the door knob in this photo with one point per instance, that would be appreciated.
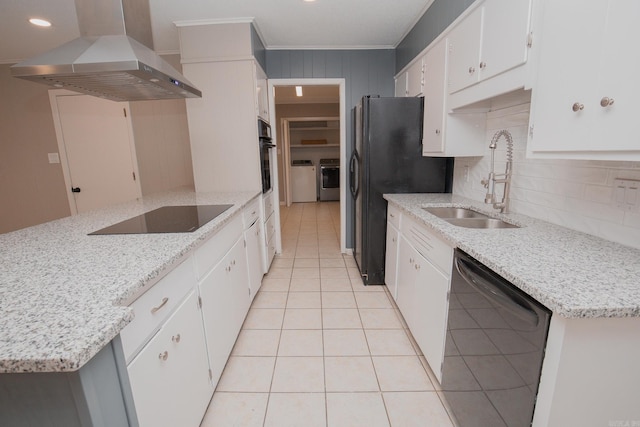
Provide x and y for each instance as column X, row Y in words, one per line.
column 75, row 189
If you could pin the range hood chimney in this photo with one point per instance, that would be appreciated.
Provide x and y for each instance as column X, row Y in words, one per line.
column 113, row 58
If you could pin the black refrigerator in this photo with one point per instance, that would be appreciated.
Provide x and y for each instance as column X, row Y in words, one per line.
column 387, row 158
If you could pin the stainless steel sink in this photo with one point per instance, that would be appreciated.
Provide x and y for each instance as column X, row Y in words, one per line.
column 480, row 223
column 451, row 212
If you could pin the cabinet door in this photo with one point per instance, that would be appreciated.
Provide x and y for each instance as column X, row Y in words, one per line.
column 406, row 279
column 169, row 377
column 254, row 257
column 401, row 85
column 464, row 51
column 618, row 79
column 505, row 29
column 391, row 260
column 262, row 94
column 239, row 276
column 430, row 319
column 571, row 38
column 217, row 293
column 415, row 78
column 434, row 98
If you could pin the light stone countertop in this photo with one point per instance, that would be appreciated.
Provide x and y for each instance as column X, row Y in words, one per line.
column 63, row 294
column 575, row 275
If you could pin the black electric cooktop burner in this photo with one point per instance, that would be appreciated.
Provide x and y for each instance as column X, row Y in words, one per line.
column 167, row 219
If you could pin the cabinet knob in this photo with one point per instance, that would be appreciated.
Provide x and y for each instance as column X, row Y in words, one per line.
column 437, row 131
column 483, row 65
column 176, row 338
column 163, row 356
column 393, row 239
column 606, row 102
column 410, row 260
column 472, row 70
column 577, row 107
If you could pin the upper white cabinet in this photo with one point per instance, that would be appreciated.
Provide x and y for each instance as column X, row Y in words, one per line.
column 262, row 94
column 447, row 134
column 401, row 85
column 415, row 78
column 583, row 102
column 492, row 39
column 223, row 125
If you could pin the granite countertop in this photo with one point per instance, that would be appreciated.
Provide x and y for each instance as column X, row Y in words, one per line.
column 63, row 294
column 574, row 274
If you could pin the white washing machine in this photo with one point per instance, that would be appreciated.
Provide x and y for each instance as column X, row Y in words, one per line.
column 303, row 181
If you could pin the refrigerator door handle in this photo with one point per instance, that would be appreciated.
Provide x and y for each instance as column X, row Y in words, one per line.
column 353, row 174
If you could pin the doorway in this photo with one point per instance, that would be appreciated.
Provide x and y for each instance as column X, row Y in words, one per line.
column 322, row 105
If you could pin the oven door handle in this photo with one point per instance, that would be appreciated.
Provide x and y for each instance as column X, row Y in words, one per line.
column 495, row 290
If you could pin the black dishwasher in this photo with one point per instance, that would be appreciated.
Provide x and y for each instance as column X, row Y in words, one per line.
column 496, row 337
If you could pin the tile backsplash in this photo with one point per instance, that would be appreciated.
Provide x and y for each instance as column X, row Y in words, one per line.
column 577, row 194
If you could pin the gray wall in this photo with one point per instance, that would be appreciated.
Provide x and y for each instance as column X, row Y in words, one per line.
column 435, row 20
column 366, row 72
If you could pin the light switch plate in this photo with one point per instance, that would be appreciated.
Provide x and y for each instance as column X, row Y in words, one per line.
column 53, row 157
column 626, row 193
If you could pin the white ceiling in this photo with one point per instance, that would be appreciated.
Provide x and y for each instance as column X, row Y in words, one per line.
column 283, row 24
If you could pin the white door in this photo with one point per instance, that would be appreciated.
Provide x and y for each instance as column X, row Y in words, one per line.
column 100, row 155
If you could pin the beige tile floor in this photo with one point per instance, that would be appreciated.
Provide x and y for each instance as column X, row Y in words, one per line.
column 318, row 348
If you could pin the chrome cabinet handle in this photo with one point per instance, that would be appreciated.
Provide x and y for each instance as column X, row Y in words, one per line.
column 162, row 304
column 606, row 102
column 176, row 338
column 163, row 356
column 577, row 107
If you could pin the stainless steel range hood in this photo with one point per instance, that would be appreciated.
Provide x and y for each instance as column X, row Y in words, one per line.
column 113, row 58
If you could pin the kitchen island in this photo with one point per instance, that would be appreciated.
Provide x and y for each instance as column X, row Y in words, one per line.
column 590, row 373
column 64, row 298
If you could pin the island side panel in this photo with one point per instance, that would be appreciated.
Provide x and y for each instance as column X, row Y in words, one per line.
column 590, row 374
column 90, row 397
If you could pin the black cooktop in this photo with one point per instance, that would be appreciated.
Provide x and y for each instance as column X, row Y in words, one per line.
column 167, row 219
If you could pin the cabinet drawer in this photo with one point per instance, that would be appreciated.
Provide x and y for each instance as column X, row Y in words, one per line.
column 217, row 246
column 270, row 228
column 155, row 305
column 428, row 244
column 251, row 213
column 393, row 215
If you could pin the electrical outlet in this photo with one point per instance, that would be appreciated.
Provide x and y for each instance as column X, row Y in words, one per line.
column 466, row 173
column 626, row 193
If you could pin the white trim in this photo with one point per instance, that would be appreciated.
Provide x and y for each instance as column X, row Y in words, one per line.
column 341, row 83
column 330, row 47
column 414, row 22
column 196, row 22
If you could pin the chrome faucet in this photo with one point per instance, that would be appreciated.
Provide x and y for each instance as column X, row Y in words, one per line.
column 494, row 178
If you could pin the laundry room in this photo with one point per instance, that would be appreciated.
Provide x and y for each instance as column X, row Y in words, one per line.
column 308, row 126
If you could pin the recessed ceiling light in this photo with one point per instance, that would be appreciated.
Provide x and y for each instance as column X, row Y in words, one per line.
column 309, row 1
column 298, row 90
column 40, row 22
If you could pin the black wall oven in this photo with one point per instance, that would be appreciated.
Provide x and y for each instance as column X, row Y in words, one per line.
column 265, row 141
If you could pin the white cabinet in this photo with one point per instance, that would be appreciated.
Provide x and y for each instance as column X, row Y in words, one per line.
column 401, row 85
column 253, row 238
column 492, row 39
column 269, row 229
column 584, row 99
column 447, row 134
column 391, row 254
column 424, row 265
column 262, row 94
column 225, row 302
column 170, row 376
column 415, row 78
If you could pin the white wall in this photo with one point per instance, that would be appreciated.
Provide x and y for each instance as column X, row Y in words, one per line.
column 573, row 193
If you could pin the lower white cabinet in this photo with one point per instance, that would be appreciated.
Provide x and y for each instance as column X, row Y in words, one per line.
column 225, row 302
column 391, row 259
column 253, row 238
column 170, row 376
column 423, row 267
